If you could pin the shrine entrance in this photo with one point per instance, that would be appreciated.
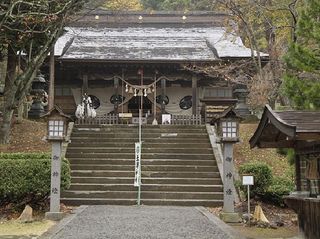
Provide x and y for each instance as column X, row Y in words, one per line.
column 134, row 106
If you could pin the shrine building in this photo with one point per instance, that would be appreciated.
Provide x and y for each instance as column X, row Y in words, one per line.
column 117, row 57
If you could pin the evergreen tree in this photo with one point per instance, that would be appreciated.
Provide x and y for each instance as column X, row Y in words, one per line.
column 302, row 80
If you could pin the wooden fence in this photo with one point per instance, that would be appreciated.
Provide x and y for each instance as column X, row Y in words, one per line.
column 186, row 120
column 100, row 119
column 308, row 210
column 115, row 119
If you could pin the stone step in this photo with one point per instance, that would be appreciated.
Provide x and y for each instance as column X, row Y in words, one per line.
column 98, row 201
column 107, row 150
column 120, row 134
column 144, row 155
column 129, row 126
column 135, row 139
column 144, row 194
column 145, row 161
column 183, row 202
column 151, row 174
column 178, row 166
column 145, row 168
column 136, row 129
column 163, row 144
column 150, row 202
column 129, row 180
column 146, row 187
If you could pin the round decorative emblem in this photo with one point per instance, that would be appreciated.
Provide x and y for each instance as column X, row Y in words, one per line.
column 165, row 99
column 95, row 101
column 117, row 99
column 186, row 102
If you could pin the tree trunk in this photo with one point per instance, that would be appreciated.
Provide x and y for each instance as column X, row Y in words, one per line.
column 9, row 93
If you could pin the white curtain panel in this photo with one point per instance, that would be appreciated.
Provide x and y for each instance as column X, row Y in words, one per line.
column 103, row 94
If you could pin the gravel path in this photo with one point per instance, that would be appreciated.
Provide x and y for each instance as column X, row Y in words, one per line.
column 117, row 222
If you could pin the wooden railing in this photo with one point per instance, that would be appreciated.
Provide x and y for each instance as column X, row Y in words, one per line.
column 186, row 120
column 115, row 119
column 100, row 119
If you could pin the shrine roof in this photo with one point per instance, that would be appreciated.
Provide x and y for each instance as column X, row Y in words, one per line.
column 285, row 128
column 199, row 40
column 151, row 37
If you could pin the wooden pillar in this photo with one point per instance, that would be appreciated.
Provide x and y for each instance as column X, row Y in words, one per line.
column 116, row 93
column 51, row 80
column 194, row 95
column 85, row 84
column 298, row 172
column 163, row 94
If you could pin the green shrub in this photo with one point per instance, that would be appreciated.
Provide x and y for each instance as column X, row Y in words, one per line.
column 291, row 156
column 25, row 156
column 28, row 179
column 289, row 153
column 262, row 177
column 281, row 186
column 282, row 151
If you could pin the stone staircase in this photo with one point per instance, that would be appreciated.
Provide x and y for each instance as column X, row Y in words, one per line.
column 178, row 166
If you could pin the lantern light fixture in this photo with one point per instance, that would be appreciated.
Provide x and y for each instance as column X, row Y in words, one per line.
column 229, row 129
column 57, row 123
column 56, row 128
column 228, row 125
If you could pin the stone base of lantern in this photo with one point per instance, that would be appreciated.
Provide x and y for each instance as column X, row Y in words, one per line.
column 54, row 216
column 230, row 217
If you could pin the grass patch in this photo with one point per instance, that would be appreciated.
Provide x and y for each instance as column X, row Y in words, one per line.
column 267, row 233
column 15, row 228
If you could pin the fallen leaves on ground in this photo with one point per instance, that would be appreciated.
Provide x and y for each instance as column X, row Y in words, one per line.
column 27, row 136
column 243, row 153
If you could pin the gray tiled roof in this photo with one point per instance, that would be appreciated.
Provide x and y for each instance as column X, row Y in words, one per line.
column 149, row 44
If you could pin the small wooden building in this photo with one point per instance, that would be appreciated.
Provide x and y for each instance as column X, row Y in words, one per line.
column 299, row 130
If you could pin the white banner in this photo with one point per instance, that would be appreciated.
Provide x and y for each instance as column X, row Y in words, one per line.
column 137, row 171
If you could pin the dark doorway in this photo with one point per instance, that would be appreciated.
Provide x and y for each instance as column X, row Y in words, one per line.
column 134, row 105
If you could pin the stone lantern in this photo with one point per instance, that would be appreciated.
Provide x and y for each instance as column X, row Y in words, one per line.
column 57, row 123
column 242, row 108
column 37, row 91
column 228, row 132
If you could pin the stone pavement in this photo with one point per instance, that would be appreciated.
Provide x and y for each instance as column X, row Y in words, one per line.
column 132, row 222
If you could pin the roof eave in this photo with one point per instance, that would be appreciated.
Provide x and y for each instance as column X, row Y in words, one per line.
column 269, row 116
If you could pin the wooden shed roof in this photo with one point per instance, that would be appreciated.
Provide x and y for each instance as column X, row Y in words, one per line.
column 304, row 121
column 56, row 109
column 286, row 129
